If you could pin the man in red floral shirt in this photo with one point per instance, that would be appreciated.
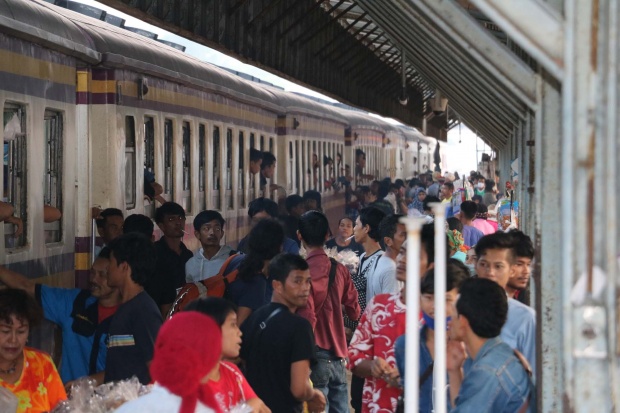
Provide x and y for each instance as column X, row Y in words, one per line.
column 371, row 352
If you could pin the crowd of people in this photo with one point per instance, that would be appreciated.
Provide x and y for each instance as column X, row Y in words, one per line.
column 273, row 330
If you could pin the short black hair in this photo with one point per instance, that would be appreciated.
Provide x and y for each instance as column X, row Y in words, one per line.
column 372, row 217
column 108, row 212
column 255, row 155
column 215, row 307
column 265, row 241
column 488, row 185
column 522, row 244
column 138, row 252
column 455, row 224
column 207, row 216
column 449, row 185
column 281, row 266
column 363, row 189
column 429, row 200
column 168, row 208
column 496, row 241
column 313, row 195
column 268, row 160
column 293, row 201
column 313, row 228
column 18, row 303
column 477, row 198
column 482, row 208
column 399, row 183
column 263, row 204
column 139, row 223
column 456, row 273
column 469, row 209
column 359, row 152
column 388, row 225
column 384, row 189
column 485, row 305
column 104, row 253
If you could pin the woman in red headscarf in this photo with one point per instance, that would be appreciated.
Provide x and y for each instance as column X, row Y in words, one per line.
column 187, row 349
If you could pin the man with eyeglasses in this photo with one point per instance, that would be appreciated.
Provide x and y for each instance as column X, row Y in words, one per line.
column 170, row 255
column 207, row 261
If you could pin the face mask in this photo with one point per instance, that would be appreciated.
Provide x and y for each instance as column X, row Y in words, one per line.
column 471, row 268
column 480, row 185
column 430, row 322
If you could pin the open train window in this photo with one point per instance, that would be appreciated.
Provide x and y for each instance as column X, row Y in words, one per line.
column 130, row 162
column 15, row 168
column 202, row 162
column 149, row 164
column 186, row 197
column 291, row 174
column 242, row 172
column 216, row 168
column 229, row 166
column 53, row 131
column 168, row 139
column 252, row 177
column 298, row 168
column 262, row 143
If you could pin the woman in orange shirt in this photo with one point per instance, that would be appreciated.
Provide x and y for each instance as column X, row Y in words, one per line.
column 28, row 373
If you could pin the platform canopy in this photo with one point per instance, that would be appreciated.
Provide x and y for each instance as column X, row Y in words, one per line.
column 359, row 52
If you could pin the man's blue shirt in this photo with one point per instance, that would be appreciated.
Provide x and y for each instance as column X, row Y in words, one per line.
column 494, row 382
column 519, row 332
column 57, row 304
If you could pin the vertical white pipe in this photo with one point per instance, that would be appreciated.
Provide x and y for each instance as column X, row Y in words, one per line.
column 440, row 307
column 93, row 239
column 412, row 348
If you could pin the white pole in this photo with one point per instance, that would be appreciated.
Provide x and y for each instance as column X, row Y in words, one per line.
column 440, row 307
column 412, row 348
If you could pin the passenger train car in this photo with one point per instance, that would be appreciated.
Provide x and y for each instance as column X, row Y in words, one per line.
column 90, row 107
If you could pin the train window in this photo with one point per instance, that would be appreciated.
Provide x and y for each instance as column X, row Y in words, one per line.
column 252, row 177
column 216, row 168
column 304, row 168
column 186, row 198
column 291, row 168
column 229, row 161
column 130, row 162
column 262, row 143
column 242, row 172
column 149, row 164
column 168, row 139
column 15, row 167
column 201, row 167
column 271, row 145
column 53, row 171
column 298, row 171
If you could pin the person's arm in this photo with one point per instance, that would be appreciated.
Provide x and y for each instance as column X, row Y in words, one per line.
column 19, row 225
column 51, row 214
column 350, row 299
column 526, row 340
column 301, row 389
column 361, row 349
column 242, row 314
column 17, row 281
column 257, row 405
column 6, row 210
column 454, row 364
column 377, row 368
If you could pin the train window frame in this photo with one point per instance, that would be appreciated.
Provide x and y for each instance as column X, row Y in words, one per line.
column 148, row 140
column 186, row 164
column 130, row 162
column 298, row 174
column 202, row 166
column 15, row 185
column 242, row 167
column 290, row 166
column 215, row 167
column 53, row 170
column 168, row 160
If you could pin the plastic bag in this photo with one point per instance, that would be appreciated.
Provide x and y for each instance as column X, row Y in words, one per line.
column 8, row 401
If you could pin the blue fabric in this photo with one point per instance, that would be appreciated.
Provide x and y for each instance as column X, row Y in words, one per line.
column 329, row 376
column 426, row 391
column 519, row 332
column 57, row 304
column 494, row 382
column 471, row 235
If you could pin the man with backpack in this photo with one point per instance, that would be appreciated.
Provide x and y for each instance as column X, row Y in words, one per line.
column 332, row 289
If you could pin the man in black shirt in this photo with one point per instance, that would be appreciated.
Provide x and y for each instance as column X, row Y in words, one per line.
column 136, row 323
column 278, row 345
column 171, row 256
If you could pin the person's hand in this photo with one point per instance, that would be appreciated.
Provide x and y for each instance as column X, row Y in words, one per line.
column 258, row 406
column 19, row 225
column 382, row 370
column 455, row 355
column 317, row 403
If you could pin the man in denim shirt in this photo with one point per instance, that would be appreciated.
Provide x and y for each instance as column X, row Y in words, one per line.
column 495, row 381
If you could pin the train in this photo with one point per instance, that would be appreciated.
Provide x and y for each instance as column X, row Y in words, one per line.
column 90, row 108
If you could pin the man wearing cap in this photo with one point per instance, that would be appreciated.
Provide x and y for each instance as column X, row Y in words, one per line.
column 207, row 261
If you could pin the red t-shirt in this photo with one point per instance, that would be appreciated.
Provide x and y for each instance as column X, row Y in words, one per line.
column 105, row 312
column 232, row 388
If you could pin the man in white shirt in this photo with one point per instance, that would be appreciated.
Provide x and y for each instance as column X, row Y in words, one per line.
column 383, row 279
column 207, row 261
